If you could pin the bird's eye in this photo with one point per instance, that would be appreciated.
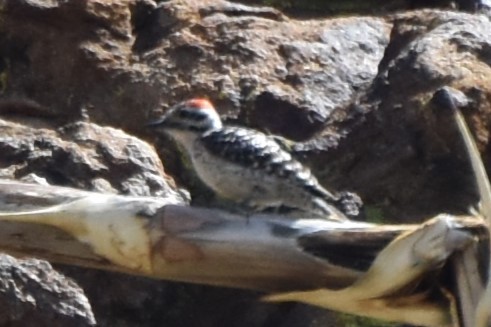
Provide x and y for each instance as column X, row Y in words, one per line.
column 197, row 115
column 184, row 114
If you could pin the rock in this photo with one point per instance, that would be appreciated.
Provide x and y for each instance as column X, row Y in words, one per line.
column 134, row 67
column 87, row 156
column 447, row 98
column 320, row 8
column 34, row 179
column 124, row 300
column 233, row 9
column 32, row 293
column 326, row 72
column 398, row 158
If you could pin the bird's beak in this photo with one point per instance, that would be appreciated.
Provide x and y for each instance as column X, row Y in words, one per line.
column 157, row 123
column 163, row 121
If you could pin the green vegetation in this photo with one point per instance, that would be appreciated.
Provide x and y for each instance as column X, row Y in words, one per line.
column 347, row 320
column 374, row 214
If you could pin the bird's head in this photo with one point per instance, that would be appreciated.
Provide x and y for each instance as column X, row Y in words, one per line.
column 190, row 117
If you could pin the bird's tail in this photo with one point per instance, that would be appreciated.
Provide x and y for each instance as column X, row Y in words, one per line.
column 349, row 204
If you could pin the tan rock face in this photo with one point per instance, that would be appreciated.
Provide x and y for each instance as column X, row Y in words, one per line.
column 129, row 58
column 126, row 63
column 352, row 91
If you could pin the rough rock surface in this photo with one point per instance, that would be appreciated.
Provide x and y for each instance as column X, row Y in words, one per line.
column 353, row 92
column 32, row 293
column 416, row 169
column 320, row 8
column 83, row 155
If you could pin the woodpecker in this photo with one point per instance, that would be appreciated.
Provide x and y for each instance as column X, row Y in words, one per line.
column 244, row 165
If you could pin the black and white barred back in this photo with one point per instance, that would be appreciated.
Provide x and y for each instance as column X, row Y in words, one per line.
column 254, row 150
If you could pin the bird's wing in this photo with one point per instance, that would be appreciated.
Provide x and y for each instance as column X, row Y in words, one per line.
column 252, row 149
